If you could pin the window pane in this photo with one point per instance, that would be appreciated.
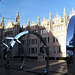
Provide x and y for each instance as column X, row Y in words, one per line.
column 29, row 50
column 44, row 31
column 35, row 41
column 45, row 39
column 54, row 49
column 56, row 40
column 32, row 50
column 48, row 39
column 53, row 39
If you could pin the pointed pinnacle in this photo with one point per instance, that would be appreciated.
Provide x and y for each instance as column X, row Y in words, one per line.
column 64, row 9
column 28, row 19
column 38, row 17
column 50, row 14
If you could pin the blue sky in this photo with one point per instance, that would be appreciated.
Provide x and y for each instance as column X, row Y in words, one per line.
column 33, row 8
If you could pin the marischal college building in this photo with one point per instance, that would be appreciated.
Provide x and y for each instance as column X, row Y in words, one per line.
column 53, row 31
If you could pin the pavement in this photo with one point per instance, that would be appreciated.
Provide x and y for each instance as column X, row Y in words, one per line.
column 32, row 67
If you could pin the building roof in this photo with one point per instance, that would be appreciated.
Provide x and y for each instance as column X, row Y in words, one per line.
column 9, row 25
column 33, row 23
column 24, row 25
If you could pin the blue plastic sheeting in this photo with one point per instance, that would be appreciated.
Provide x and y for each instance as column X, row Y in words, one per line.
column 71, row 42
column 68, row 53
column 8, row 37
column 20, row 34
column 17, row 37
column 70, row 45
column 5, row 44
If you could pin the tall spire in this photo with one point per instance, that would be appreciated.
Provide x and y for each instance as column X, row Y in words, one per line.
column 50, row 21
column 65, row 17
column 2, row 23
column 64, row 13
column 2, row 19
column 17, row 12
column 57, row 14
column 28, row 23
column 50, row 17
column 64, row 9
column 17, row 18
column 38, row 21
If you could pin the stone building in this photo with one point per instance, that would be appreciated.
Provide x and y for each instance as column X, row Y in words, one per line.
column 53, row 30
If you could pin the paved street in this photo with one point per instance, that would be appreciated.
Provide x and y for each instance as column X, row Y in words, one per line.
column 34, row 68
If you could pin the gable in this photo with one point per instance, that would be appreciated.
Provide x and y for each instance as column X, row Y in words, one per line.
column 9, row 25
